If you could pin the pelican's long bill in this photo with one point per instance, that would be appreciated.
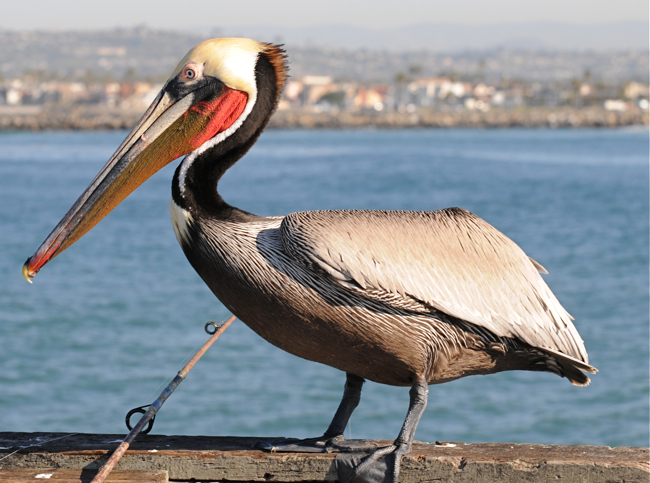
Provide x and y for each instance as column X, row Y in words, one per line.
column 191, row 109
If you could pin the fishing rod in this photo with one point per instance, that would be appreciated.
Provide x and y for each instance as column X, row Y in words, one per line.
column 150, row 413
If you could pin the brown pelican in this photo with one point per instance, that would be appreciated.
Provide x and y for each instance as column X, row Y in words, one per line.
column 396, row 297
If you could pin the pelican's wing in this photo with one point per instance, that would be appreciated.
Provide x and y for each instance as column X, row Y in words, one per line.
column 449, row 259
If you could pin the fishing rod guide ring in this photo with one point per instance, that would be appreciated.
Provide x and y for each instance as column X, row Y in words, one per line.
column 140, row 410
column 212, row 324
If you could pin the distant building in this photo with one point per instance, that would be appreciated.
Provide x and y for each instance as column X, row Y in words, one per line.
column 635, row 90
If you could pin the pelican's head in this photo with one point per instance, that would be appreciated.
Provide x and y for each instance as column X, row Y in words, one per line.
column 211, row 93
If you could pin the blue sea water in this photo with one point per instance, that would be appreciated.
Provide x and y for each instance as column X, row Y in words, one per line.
column 116, row 315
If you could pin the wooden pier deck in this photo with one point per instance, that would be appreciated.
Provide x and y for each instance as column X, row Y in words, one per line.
column 159, row 458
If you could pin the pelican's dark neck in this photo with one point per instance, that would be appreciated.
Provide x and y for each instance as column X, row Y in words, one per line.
column 198, row 193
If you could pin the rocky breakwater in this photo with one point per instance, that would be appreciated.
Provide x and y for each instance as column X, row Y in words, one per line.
column 73, row 117
column 96, row 117
column 496, row 118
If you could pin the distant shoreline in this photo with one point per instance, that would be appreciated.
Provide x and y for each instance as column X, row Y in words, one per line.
column 80, row 117
column 541, row 117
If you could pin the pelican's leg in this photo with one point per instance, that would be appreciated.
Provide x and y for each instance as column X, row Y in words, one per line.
column 349, row 402
column 333, row 437
column 382, row 465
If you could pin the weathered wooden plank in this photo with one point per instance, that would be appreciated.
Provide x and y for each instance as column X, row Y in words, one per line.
column 234, row 459
column 33, row 475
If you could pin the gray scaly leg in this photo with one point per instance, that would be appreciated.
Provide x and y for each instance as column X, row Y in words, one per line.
column 382, row 465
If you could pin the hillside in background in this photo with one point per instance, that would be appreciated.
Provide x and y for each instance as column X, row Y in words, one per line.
column 451, row 38
column 478, row 53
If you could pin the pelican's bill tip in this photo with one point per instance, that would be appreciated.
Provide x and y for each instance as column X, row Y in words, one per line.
column 26, row 273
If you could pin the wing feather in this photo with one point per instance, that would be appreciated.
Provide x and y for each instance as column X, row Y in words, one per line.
column 449, row 259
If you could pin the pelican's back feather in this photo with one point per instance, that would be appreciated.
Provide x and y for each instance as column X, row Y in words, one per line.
column 449, row 259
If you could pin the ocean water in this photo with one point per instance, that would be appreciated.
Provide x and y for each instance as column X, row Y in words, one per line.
column 114, row 317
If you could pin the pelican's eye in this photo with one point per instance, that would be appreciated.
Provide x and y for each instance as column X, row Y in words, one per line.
column 191, row 72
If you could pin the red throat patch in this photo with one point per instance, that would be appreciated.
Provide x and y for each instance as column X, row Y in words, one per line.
column 219, row 114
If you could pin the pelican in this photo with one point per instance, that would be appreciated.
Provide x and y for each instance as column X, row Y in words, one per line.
column 403, row 298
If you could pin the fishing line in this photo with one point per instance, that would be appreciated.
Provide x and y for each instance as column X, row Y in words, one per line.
column 38, row 444
column 92, row 428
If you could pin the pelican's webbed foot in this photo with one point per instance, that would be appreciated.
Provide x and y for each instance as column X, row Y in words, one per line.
column 379, row 466
column 323, row 444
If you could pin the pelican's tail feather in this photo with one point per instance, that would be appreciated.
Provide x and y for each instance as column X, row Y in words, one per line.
column 571, row 367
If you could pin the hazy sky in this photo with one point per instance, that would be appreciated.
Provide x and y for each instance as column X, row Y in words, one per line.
column 379, row 14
